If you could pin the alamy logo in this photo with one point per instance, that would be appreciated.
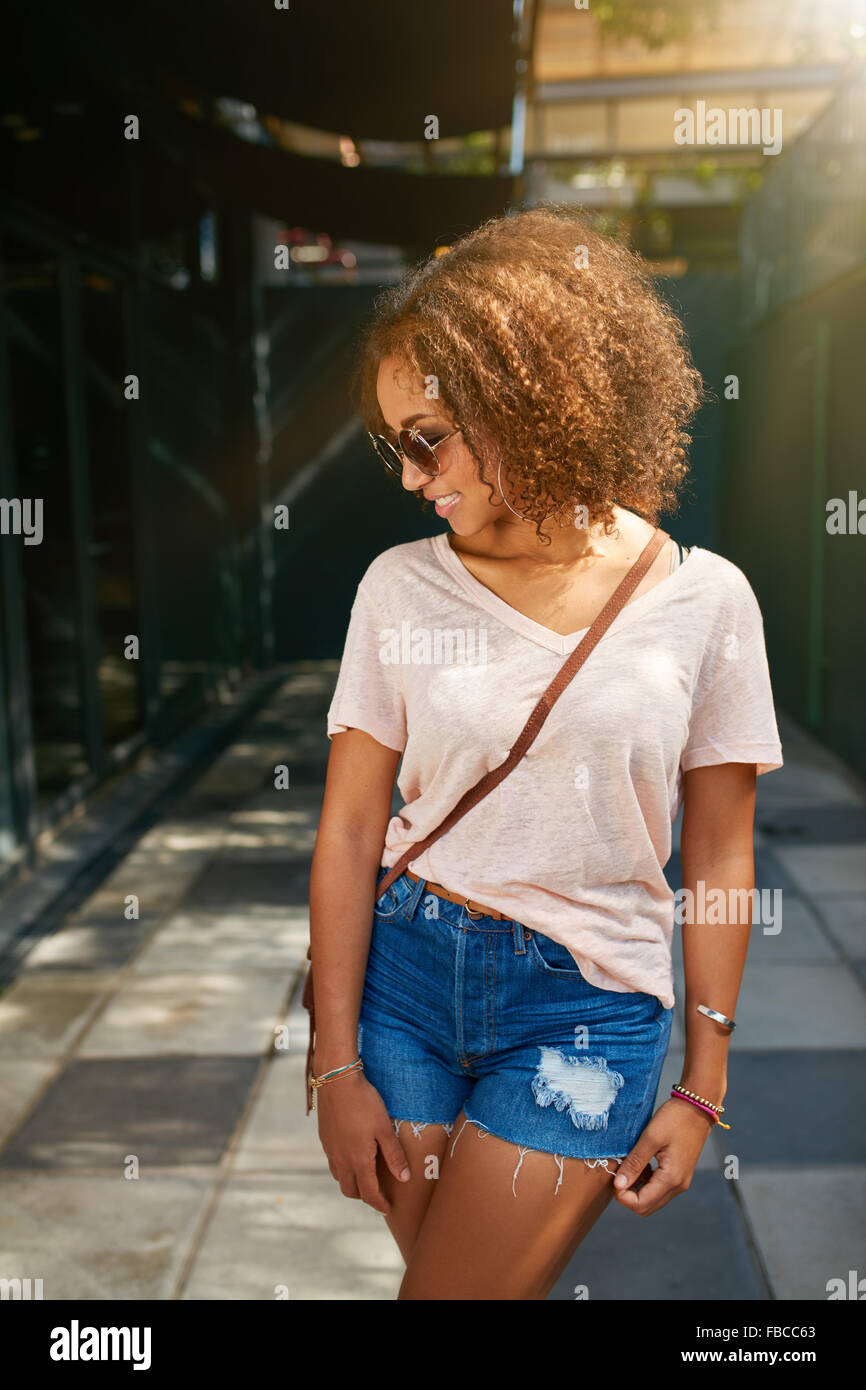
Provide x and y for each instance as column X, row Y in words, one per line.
column 437, row 646
column 75, row 1343
column 21, row 1289
column 731, row 906
column 22, row 516
column 741, row 125
column 855, row 1287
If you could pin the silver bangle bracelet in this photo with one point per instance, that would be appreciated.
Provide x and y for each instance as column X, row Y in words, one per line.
column 720, row 1018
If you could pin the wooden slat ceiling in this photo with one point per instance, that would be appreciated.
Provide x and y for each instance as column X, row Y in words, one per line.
column 570, row 44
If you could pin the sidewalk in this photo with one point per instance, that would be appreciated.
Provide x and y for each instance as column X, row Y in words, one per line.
column 153, row 1140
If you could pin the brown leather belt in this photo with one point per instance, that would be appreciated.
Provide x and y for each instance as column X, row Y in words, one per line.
column 473, row 908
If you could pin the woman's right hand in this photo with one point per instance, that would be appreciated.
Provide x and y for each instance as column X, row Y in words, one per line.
column 353, row 1125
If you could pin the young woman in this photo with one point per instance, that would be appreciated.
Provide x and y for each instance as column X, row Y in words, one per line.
column 510, row 996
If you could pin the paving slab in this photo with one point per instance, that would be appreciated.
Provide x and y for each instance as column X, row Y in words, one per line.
column 209, row 1013
column 800, row 1005
column 296, row 1232
column 279, row 1135
column 296, row 841
column 806, row 1005
column 694, row 1248
column 811, row 1225
column 270, row 938
column 241, row 884
column 271, row 825
column 845, row 920
column 802, row 936
column 156, row 895
column 42, row 1013
column 167, row 1111
column 302, row 798
column 234, row 774
column 176, row 846
column 179, row 844
column 87, row 947
column 98, row 1237
column 797, row 1106
column 820, row 869
column 814, row 825
column 21, row 1081
column 801, row 784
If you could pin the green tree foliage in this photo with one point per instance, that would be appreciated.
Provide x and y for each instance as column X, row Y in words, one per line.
column 656, row 22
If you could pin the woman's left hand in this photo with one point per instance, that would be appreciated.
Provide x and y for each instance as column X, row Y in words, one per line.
column 675, row 1136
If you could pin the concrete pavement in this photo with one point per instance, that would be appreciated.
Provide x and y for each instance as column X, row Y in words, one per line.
column 153, row 1140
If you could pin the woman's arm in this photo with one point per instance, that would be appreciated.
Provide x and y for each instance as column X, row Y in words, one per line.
column 717, row 852
column 717, row 847
column 355, row 812
column 354, row 1125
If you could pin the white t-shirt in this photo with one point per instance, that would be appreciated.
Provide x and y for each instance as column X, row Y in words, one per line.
column 573, row 842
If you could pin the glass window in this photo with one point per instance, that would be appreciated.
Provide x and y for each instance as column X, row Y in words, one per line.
column 41, row 463
column 112, row 513
column 8, row 835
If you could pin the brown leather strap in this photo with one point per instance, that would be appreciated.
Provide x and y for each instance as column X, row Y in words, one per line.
column 309, row 1002
column 531, row 728
column 473, row 908
column 527, row 736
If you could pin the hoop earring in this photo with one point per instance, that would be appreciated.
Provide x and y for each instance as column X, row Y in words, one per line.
column 502, row 494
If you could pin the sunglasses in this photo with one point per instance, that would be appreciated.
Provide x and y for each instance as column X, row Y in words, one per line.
column 413, row 446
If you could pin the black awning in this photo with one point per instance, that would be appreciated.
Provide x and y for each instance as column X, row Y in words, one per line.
column 364, row 204
column 365, row 68
column 81, row 174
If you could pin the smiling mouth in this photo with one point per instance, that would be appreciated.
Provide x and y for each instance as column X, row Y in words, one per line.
column 444, row 497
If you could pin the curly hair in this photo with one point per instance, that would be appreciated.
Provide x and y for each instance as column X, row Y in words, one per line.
column 554, row 355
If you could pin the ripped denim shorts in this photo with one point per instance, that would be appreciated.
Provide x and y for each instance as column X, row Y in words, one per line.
column 485, row 1016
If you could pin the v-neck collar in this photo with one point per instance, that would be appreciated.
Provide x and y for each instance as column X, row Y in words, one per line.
column 528, row 627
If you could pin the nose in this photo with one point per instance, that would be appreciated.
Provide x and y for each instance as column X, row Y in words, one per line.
column 413, row 477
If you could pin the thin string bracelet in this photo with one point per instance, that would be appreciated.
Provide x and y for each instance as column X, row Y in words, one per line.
column 317, row 1081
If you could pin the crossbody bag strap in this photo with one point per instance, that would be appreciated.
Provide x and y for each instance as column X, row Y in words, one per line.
column 527, row 736
column 532, row 727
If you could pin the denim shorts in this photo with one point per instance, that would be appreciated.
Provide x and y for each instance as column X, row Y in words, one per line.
column 485, row 1016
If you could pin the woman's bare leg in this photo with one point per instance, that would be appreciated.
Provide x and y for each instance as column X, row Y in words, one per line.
column 426, row 1147
column 501, row 1222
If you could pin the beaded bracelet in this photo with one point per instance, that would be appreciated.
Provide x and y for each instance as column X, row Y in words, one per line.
column 706, row 1109
column 682, row 1090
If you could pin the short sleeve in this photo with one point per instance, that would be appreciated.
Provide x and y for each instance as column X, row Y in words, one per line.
column 369, row 691
column 733, row 718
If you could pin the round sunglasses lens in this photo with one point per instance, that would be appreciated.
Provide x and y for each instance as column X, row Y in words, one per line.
column 388, row 454
column 419, row 452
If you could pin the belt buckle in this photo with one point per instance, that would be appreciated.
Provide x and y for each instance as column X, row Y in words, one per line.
column 468, row 910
